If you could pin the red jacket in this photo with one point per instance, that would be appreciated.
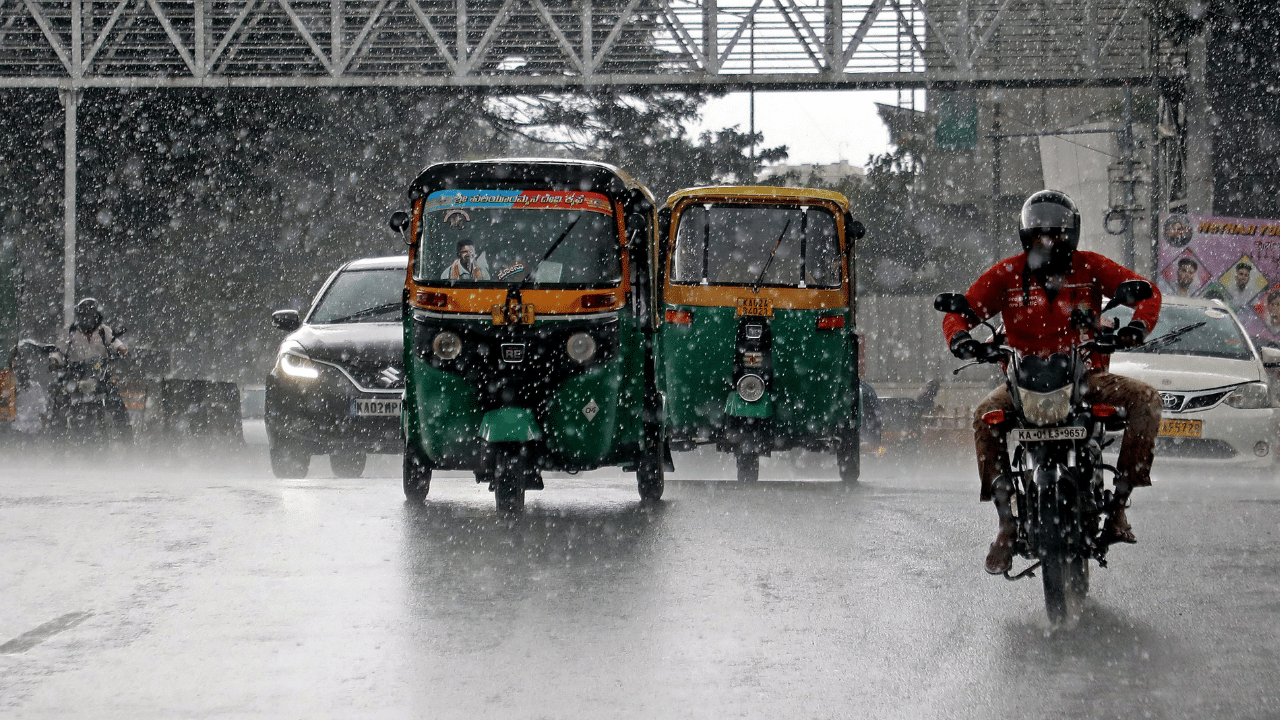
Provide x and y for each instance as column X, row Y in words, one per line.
column 1034, row 325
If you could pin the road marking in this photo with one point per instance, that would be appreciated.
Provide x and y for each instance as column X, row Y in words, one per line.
column 40, row 633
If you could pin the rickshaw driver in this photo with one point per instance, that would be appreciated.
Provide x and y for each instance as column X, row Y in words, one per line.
column 1037, row 292
column 465, row 267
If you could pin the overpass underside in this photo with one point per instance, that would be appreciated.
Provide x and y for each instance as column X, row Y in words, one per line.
column 566, row 44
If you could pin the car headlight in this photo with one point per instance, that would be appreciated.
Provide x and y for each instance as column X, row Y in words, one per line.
column 581, row 347
column 446, row 345
column 1046, row 408
column 751, row 387
column 1250, row 396
column 294, row 362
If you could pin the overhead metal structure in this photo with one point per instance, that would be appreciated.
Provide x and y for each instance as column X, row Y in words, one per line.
column 571, row 43
column 549, row 45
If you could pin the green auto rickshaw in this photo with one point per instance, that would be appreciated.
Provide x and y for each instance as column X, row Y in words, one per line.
column 528, row 327
column 757, row 349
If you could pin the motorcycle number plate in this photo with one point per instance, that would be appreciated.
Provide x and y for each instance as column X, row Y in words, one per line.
column 366, row 407
column 761, row 307
column 1048, row 434
column 1173, row 427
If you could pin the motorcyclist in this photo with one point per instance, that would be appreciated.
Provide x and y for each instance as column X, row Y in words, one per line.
column 1036, row 292
column 89, row 340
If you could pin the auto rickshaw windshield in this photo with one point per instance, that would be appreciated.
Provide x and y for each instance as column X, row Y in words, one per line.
column 748, row 244
column 548, row 245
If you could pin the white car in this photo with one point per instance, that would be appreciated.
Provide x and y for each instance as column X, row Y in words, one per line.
column 1219, row 407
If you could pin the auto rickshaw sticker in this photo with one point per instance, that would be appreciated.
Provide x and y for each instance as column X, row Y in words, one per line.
column 762, row 307
column 591, row 409
column 519, row 199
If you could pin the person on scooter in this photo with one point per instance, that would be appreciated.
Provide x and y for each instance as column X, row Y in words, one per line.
column 89, row 339
column 1036, row 293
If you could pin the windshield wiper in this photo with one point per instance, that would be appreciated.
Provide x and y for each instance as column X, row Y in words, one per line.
column 755, row 287
column 554, row 245
column 375, row 310
column 1168, row 338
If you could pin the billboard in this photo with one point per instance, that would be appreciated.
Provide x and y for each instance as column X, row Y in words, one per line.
column 1236, row 260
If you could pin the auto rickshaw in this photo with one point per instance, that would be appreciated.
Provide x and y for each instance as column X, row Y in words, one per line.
column 757, row 350
column 528, row 328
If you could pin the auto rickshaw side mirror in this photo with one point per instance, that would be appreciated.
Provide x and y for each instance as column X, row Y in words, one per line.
column 856, row 229
column 400, row 223
column 287, row 320
column 637, row 227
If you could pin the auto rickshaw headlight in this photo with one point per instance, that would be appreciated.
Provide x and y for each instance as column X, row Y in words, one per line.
column 446, row 345
column 751, row 387
column 581, row 347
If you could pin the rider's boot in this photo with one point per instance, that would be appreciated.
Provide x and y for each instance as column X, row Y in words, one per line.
column 1000, row 556
column 1117, row 529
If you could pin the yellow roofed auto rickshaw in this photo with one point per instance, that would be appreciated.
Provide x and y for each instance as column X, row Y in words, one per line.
column 528, row 325
column 757, row 350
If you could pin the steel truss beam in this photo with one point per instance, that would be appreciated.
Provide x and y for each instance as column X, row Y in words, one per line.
column 565, row 44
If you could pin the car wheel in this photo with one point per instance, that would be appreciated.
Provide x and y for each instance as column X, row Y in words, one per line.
column 288, row 460
column 347, row 465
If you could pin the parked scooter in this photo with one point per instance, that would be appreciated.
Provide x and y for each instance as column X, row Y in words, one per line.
column 82, row 397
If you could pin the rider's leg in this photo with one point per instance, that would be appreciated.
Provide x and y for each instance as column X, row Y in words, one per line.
column 992, row 461
column 1141, row 404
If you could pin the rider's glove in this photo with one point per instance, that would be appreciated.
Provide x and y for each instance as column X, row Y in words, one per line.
column 1131, row 335
column 964, row 346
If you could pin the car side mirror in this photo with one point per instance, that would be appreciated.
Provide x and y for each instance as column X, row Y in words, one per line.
column 400, row 223
column 287, row 320
column 1270, row 357
column 1130, row 292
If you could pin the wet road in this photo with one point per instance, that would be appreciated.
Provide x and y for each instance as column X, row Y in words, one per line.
column 196, row 585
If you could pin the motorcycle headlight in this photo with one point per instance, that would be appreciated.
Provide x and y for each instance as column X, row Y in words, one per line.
column 751, row 387
column 446, row 345
column 294, row 362
column 581, row 347
column 1046, row 408
column 1251, row 396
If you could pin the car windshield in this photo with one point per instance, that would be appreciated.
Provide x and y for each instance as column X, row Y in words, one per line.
column 1219, row 337
column 361, row 296
column 490, row 237
column 746, row 245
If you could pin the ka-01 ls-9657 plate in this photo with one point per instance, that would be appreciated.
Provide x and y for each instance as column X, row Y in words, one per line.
column 1047, row 434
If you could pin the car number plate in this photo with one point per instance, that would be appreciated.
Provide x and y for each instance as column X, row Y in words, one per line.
column 762, row 307
column 1171, row 427
column 1047, row 434
column 372, row 407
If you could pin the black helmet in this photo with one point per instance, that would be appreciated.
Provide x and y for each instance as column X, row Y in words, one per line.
column 88, row 314
column 1053, row 212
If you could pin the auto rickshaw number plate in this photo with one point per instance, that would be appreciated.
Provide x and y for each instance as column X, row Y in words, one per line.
column 1048, row 434
column 1172, row 427
column 762, row 307
column 366, row 407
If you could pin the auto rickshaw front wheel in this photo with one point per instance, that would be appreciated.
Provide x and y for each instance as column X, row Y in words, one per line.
column 510, row 473
column 417, row 474
column 748, row 466
column 849, row 456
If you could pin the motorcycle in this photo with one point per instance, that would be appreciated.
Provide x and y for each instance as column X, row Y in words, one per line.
column 79, row 396
column 1056, row 469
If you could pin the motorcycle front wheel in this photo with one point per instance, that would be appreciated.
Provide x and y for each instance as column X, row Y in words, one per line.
column 1065, row 574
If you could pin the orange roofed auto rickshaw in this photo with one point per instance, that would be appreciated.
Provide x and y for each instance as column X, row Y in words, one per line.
column 757, row 345
column 528, row 326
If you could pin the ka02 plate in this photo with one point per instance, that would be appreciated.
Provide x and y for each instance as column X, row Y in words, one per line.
column 1048, row 434
column 760, row 307
column 373, row 407
column 1173, row 427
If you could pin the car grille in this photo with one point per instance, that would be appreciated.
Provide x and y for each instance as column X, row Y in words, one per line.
column 1198, row 448
column 1184, row 402
column 370, row 375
